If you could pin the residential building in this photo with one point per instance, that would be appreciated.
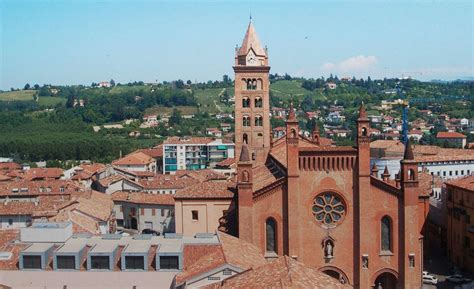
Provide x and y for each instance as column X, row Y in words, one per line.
column 194, row 153
column 141, row 210
column 441, row 162
column 136, row 161
column 460, row 194
column 455, row 138
column 212, row 131
column 198, row 208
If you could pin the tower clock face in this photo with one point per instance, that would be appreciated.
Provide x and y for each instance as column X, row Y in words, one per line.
column 251, row 58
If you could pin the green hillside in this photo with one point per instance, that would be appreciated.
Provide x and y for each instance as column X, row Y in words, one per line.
column 17, row 95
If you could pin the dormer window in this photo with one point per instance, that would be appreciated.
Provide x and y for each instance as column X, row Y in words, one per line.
column 15, row 190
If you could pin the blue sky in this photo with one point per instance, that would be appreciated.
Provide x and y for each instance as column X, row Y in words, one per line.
column 79, row 42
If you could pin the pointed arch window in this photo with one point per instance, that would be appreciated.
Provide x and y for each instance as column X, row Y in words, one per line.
column 386, row 234
column 364, row 131
column 271, row 235
column 258, row 120
column 258, row 102
column 246, row 120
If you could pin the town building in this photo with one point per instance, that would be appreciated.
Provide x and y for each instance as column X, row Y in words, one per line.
column 441, row 162
column 460, row 235
column 199, row 207
column 454, row 138
column 137, row 161
column 137, row 211
column 321, row 204
column 194, row 153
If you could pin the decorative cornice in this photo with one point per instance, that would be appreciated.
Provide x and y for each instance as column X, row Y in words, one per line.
column 385, row 186
column 268, row 190
column 244, row 69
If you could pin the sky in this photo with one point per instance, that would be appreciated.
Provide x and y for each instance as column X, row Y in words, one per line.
column 80, row 42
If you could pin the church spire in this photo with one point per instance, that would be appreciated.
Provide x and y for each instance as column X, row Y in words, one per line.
column 251, row 42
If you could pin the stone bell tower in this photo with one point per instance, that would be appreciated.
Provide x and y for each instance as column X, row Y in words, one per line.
column 252, row 104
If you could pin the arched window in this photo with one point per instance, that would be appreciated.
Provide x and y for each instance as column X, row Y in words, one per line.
column 258, row 120
column 249, row 84
column 271, row 235
column 386, row 234
column 245, row 102
column 246, row 120
column 364, row 131
column 259, row 84
column 293, row 133
column 245, row 138
column 258, row 102
column 411, row 174
column 254, row 84
column 244, row 84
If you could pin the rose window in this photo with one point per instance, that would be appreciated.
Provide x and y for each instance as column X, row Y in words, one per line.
column 328, row 208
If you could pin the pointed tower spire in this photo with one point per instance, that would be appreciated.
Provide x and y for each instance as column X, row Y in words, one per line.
column 251, row 41
column 244, row 155
column 408, row 151
column 374, row 170
column 385, row 174
column 291, row 113
column 362, row 112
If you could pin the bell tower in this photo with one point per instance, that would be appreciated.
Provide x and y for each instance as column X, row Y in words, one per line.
column 252, row 104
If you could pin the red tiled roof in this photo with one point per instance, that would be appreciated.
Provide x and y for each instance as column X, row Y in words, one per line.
column 9, row 166
column 135, row 158
column 43, row 173
column 155, row 152
column 43, row 187
column 283, row 272
column 466, row 183
column 232, row 251
column 447, row 134
column 143, row 198
column 226, row 163
column 207, row 190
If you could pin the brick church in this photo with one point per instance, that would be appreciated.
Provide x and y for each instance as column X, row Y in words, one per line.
column 318, row 203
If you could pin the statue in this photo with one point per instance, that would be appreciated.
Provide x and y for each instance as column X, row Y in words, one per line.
column 365, row 262
column 329, row 248
column 380, row 286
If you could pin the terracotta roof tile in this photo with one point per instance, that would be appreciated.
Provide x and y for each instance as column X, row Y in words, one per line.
column 43, row 173
column 466, row 183
column 135, row 158
column 447, row 134
column 226, row 163
column 283, row 272
column 143, row 198
column 232, row 251
column 207, row 190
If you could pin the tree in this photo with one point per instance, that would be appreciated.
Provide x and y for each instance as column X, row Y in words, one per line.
column 175, row 118
column 36, row 86
column 188, row 82
column 112, row 82
column 27, row 86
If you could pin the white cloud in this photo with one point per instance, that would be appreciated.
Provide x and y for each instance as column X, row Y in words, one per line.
column 353, row 64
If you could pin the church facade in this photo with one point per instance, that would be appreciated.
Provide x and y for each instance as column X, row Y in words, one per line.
column 321, row 204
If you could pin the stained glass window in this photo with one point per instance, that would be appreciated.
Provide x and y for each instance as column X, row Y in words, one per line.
column 328, row 208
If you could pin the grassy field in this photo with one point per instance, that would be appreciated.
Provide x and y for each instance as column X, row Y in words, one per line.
column 51, row 100
column 17, row 95
column 209, row 98
column 125, row 88
column 292, row 88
